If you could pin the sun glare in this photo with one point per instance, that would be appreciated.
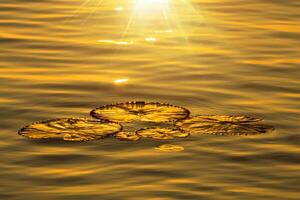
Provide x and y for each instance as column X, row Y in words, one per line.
column 151, row 7
column 147, row 20
column 120, row 81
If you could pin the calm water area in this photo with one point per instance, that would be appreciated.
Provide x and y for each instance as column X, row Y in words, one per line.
column 62, row 58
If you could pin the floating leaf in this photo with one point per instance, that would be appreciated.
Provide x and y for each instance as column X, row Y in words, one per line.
column 128, row 136
column 227, row 118
column 71, row 129
column 224, row 125
column 169, row 148
column 132, row 111
column 162, row 133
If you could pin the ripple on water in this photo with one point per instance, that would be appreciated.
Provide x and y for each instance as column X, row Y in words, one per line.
column 127, row 136
column 162, row 133
column 169, row 148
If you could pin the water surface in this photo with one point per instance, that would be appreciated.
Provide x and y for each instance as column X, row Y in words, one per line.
column 63, row 58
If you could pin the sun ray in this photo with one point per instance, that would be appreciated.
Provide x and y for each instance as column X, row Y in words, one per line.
column 146, row 11
column 94, row 10
column 133, row 14
column 190, row 7
column 82, row 5
column 181, row 30
column 165, row 14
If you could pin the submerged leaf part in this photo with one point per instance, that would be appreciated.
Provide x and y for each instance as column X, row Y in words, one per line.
column 71, row 129
column 140, row 111
column 169, row 148
column 162, row 133
column 127, row 136
column 224, row 125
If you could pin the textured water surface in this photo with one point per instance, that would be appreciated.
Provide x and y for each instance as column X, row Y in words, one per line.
column 60, row 59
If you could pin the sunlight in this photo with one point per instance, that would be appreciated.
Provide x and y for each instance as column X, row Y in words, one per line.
column 150, row 16
column 147, row 20
column 146, row 11
column 116, row 42
column 151, row 7
column 120, row 81
column 119, row 9
column 150, row 39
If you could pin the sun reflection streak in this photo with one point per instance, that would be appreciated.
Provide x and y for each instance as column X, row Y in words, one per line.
column 143, row 10
column 151, row 7
column 150, row 39
column 148, row 20
column 120, row 81
column 119, row 9
column 149, row 15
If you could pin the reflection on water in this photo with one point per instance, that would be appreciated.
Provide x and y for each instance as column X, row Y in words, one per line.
column 119, row 9
column 213, row 57
column 159, row 133
column 120, row 81
column 116, row 42
column 150, row 39
column 128, row 136
column 169, row 148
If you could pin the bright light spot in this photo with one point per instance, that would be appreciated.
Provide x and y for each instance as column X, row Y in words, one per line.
column 105, row 41
column 124, row 43
column 151, row 7
column 169, row 31
column 115, row 42
column 150, row 39
column 164, row 31
column 119, row 9
column 120, row 81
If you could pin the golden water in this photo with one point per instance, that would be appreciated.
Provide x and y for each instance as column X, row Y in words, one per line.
column 64, row 58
